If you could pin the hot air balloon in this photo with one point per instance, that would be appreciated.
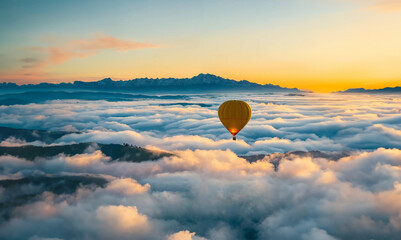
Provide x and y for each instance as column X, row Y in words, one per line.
column 234, row 115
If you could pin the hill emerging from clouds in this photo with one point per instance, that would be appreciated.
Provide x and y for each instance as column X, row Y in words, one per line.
column 202, row 82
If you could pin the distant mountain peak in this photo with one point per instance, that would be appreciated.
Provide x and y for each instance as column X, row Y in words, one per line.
column 203, row 82
column 106, row 80
column 206, row 75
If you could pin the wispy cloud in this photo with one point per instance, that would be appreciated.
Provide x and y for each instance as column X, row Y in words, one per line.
column 80, row 48
column 102, row 41
column 33, row 66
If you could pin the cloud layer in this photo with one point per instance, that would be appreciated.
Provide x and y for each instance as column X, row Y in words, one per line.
column 206, row 194
column 279, row 123
column 205, row 190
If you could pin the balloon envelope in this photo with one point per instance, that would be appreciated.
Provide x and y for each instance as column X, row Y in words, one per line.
column 234, row 115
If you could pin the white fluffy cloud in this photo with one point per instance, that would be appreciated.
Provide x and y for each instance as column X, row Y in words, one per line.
column 206, row 190
column 122, row 220
column 279, row 123
column 127, row 186
column 184, row 235
column 214, row 194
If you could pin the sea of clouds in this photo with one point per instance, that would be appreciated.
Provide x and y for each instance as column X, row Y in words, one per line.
column 207, row 189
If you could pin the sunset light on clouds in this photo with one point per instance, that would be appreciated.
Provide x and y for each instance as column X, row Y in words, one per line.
column 320, row 166
column 200, row 120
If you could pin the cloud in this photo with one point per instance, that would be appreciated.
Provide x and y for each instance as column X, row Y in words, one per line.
column 127, row 186
column 58, row 55
column 12, row 141
column 84, row 160
column 30, row 61
column 379, row 169
column 347, row 187
column 82, row 48
column 101, row 41
column 184, row 235
column 335, row 125
column 41, row 57
column 299, row 167
column 217, row 162
column 122, row 220
column 41, row 209
column 317, row 234
column 205, row 194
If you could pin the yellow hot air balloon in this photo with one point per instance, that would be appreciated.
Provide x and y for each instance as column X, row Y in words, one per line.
column 234, row 115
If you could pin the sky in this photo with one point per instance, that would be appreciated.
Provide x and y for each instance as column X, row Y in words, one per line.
column 320, row 45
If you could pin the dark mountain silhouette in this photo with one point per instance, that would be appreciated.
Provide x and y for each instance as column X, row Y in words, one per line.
column 388, row 90
column 116, row 152
column 15, row 192
column 55, row 183
column 31, row 135
column 202, row 82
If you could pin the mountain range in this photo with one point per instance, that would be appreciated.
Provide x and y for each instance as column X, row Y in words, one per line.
column 381, row 90
column 202, row 82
